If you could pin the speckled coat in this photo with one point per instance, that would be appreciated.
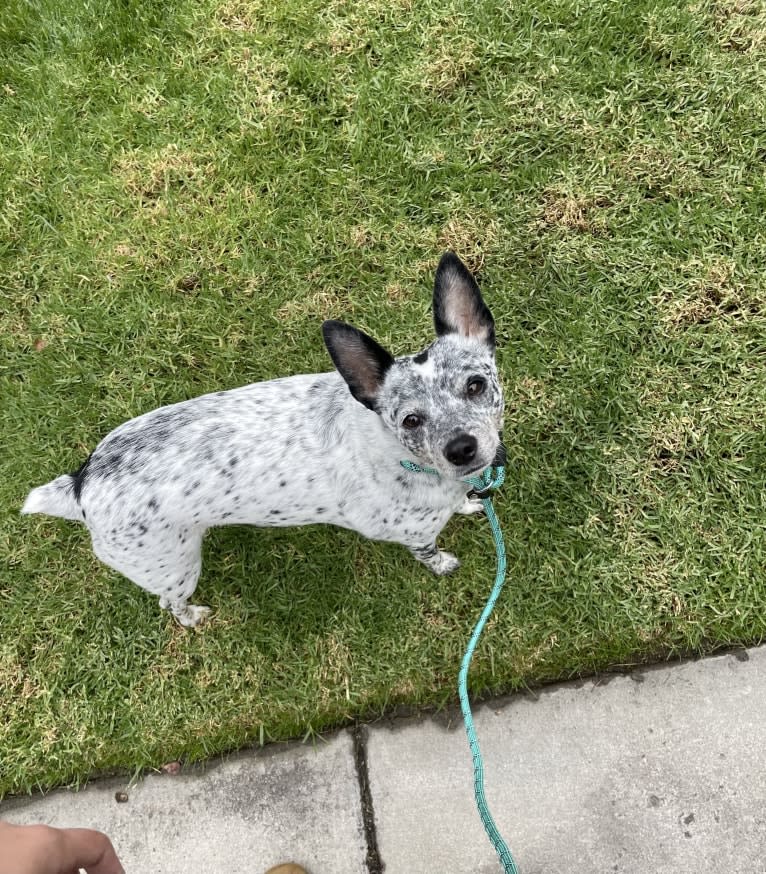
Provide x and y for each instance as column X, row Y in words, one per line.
column 303, row 449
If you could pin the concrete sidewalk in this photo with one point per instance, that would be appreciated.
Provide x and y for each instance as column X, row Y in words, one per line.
column 660, row 771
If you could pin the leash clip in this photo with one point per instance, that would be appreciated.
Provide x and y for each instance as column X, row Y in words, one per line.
column 481, row 494
column 492, row 478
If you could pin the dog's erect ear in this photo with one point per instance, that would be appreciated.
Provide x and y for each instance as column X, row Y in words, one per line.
column 360, row 360
column 458, row 305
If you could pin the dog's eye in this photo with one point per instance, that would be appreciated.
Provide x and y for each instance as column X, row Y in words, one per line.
column 412, row 421
column 476, row 386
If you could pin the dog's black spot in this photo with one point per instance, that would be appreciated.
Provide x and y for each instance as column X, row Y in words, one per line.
column 140, row 543
column 424, row 552
column 226, row 515
column 152, row 504
column 320, row 509
column 126, row 450
column 142, row 528
column 421, row 357
column 78, row 478
column 228, row 491
column 385, row 521
column 233, row 461
column 282, row 483
column 275, row 512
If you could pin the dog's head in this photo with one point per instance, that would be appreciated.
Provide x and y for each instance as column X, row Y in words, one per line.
column 445, row 404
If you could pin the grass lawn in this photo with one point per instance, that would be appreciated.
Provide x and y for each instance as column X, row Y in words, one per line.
column 189, row 188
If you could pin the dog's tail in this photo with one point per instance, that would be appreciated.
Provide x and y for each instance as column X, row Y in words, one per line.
column 56, row 498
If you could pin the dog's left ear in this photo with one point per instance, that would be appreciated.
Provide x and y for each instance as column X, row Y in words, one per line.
column 458, row 305
column 360, row 360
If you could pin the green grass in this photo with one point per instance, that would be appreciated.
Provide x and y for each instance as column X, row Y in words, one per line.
column 189, row 188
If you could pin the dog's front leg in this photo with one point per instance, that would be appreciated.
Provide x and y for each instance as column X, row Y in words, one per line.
column 470, row 506
column 435, row 559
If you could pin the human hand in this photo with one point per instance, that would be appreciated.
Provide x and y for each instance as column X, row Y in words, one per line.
column 40, row 849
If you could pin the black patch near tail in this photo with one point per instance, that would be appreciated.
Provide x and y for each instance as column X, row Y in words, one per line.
column 78, row 478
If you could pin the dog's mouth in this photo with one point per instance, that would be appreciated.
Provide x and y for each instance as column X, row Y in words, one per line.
column 499, row 459
column 471, row 470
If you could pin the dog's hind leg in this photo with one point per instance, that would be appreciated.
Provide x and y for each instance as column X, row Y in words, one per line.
column 435, row 559
column 166, row 563
column 185, row 614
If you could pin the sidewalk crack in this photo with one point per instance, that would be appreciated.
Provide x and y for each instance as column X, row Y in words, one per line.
column 374, row 863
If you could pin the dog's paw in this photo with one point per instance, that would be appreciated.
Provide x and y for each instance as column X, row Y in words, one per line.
column 444, row 563
column 192, row 615
column 471, row 506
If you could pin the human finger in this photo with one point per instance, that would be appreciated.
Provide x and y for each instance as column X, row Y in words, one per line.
column 88, row 849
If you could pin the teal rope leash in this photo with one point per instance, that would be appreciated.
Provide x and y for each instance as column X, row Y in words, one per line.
column 482, row 484
column 490, row 479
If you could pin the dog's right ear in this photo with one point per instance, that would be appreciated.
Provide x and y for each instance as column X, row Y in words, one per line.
column 359, row 359
column 458, row 305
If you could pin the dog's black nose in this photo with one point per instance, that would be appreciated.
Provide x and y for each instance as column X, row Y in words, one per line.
column 461, row 450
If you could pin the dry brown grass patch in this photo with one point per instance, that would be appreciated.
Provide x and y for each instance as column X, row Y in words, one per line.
column 321, row 304
column 654, row 171
column 673, row 440
column 396, row 292
column 529, row 395
column 239, row 15
column 335, row 667
column 149, row 175
column 573, row 213
column 708, row 291
column 361, row 237
column 470, row 237
column 740, row 24
column 451, row 59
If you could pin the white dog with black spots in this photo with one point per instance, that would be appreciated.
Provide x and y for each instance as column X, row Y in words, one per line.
column 299, row 450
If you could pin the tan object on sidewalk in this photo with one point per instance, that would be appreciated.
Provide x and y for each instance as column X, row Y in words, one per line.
column 289, row 868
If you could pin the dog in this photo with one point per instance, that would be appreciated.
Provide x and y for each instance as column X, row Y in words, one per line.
column 300, row 450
